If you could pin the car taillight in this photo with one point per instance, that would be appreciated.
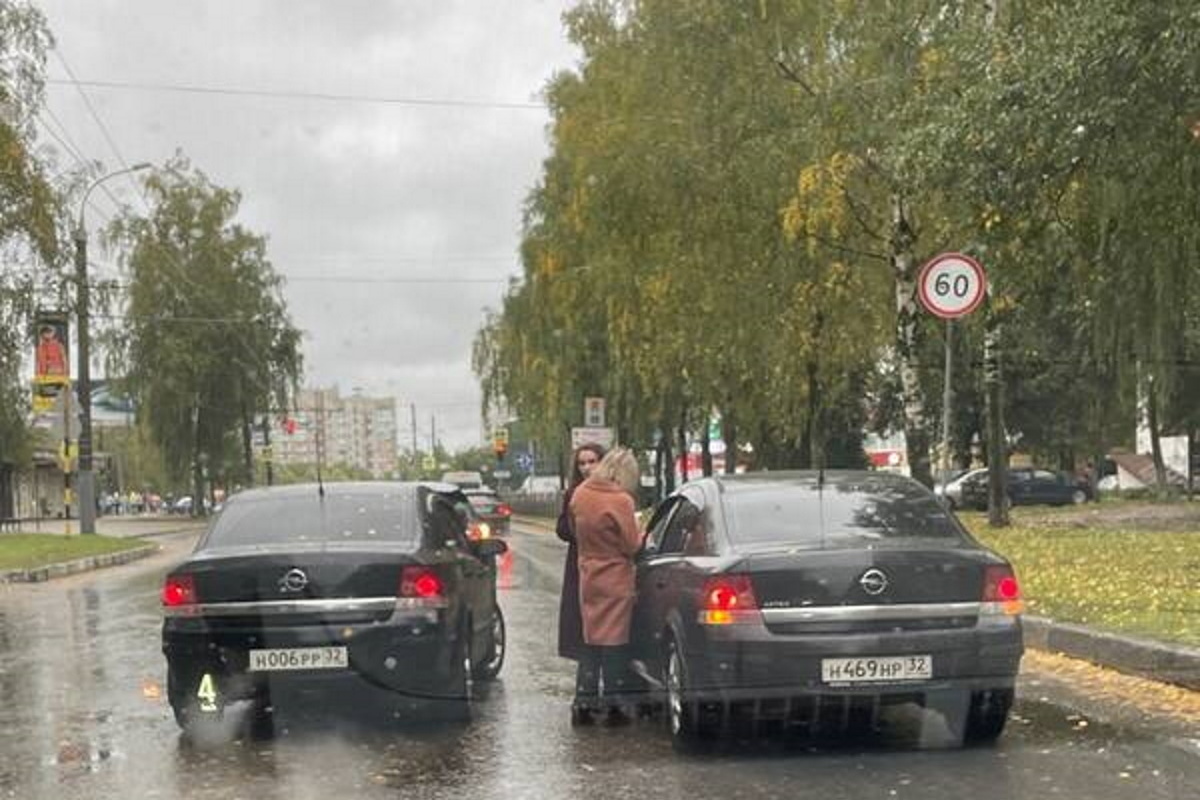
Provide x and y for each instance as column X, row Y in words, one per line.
column 179, row 590
column 504, row 510
column 478, row 531
column 1001, row 592
column 726, row 599
column 421, row 586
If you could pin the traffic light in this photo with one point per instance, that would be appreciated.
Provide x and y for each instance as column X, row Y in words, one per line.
column 500, row 442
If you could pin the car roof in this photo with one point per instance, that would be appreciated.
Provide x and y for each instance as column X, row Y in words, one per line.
column 358, row 488
column 756, row 481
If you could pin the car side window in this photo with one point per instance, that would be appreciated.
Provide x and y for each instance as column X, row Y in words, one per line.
column 687, row 524
column 657, row 527
column 448, row 524
column 1043, row 475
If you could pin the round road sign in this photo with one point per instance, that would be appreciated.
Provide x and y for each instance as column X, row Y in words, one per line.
column 951, row 285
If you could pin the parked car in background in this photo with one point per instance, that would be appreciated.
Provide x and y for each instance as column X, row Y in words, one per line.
column 464, row 479
column 1027, row 486
column 952, row 491
column 496, row 513
column 798, row 601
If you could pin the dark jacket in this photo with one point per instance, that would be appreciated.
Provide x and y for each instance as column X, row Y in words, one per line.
column 570, row 621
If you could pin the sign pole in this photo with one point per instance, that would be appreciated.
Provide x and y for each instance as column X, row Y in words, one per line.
column 947, row 401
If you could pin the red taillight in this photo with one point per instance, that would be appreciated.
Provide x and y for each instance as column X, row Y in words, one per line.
column 726, row 599
column 179, row 590
column 504, row 510
column 420, row 583
column 1000, row 588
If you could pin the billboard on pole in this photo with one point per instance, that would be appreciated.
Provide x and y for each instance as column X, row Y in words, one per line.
column 51, row 360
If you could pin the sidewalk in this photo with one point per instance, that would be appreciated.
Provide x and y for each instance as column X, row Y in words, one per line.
column 1165, row 662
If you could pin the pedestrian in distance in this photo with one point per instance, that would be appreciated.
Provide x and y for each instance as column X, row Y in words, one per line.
column 570, row 622
column 608, row 538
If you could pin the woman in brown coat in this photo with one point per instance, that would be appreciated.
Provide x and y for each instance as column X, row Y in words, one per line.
column 608, row 538
column 570, row 622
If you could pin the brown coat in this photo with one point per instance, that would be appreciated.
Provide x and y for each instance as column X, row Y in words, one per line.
column 607, row 535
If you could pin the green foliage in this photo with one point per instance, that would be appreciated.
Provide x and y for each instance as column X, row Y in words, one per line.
column 29, row 208
column 738, row 196
column 208, row 340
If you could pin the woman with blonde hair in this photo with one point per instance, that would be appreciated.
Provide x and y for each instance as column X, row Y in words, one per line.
column 608, row 538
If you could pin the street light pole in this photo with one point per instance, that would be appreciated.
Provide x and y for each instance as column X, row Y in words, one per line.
column 86, row 480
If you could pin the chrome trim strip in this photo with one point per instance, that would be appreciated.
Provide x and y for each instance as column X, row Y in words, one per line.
column 871, row 613
column 269, row 608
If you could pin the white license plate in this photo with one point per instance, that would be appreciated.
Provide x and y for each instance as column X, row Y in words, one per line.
column 876, row 669
column 294, row 658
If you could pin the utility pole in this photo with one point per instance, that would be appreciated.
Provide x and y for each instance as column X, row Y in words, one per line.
column 268, row 456
column 433, row 435
column 997, row 445
column 412, row 407
column 85, row 480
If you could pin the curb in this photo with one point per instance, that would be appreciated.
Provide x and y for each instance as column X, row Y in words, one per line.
column 65, row 568
column 1145, row 658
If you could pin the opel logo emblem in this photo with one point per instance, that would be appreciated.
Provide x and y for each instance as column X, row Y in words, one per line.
column 873, row 582
column 294, row 581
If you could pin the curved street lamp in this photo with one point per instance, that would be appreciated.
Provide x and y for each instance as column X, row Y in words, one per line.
column 85, row 480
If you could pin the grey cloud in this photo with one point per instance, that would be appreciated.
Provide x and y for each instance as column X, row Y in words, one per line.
column 339, row 187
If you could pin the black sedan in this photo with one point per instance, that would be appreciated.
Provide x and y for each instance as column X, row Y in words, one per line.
column 373, row 585
column 805, row 601
column 1027, row 486
column 494, row 511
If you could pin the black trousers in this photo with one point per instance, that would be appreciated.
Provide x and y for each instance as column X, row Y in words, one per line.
column 603, row 675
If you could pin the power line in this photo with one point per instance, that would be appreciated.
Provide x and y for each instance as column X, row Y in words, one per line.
column 230, row 91
column 68, row 144
column 138, row 189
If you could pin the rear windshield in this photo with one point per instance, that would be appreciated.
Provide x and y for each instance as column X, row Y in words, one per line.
column 345, row 517
column 482, row 500
column 839, row 514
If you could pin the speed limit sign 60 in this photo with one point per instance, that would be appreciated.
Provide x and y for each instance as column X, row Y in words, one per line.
column 951, row 285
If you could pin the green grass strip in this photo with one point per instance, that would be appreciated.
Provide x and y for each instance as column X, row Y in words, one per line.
column 30, row 550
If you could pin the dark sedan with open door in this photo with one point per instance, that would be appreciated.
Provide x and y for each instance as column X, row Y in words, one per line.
column 375, row 585
column 807, row 602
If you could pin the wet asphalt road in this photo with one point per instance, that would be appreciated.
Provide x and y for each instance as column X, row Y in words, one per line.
column 82, row 716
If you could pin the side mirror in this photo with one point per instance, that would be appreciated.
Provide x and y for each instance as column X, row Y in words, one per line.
column 490, row 547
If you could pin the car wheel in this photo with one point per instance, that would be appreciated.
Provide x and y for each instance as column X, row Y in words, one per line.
column 1079, row 497
column 457, row 705
column 681, row 712
column 489, row 667
column 987, row 716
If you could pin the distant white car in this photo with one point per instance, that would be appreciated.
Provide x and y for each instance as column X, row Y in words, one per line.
column 952, row 491
column 463, row 479
column 540, row 484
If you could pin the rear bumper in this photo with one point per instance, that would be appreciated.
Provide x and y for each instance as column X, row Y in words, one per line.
column 748, row 662
column 412, row 653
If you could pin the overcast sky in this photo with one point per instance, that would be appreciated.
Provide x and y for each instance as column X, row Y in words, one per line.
column 344, row 190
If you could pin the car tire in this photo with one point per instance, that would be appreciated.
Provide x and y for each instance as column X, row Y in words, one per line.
column 987, row 716
column 1079, row 497
column 680, row 714
column 489, row 667
column 457, row 703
